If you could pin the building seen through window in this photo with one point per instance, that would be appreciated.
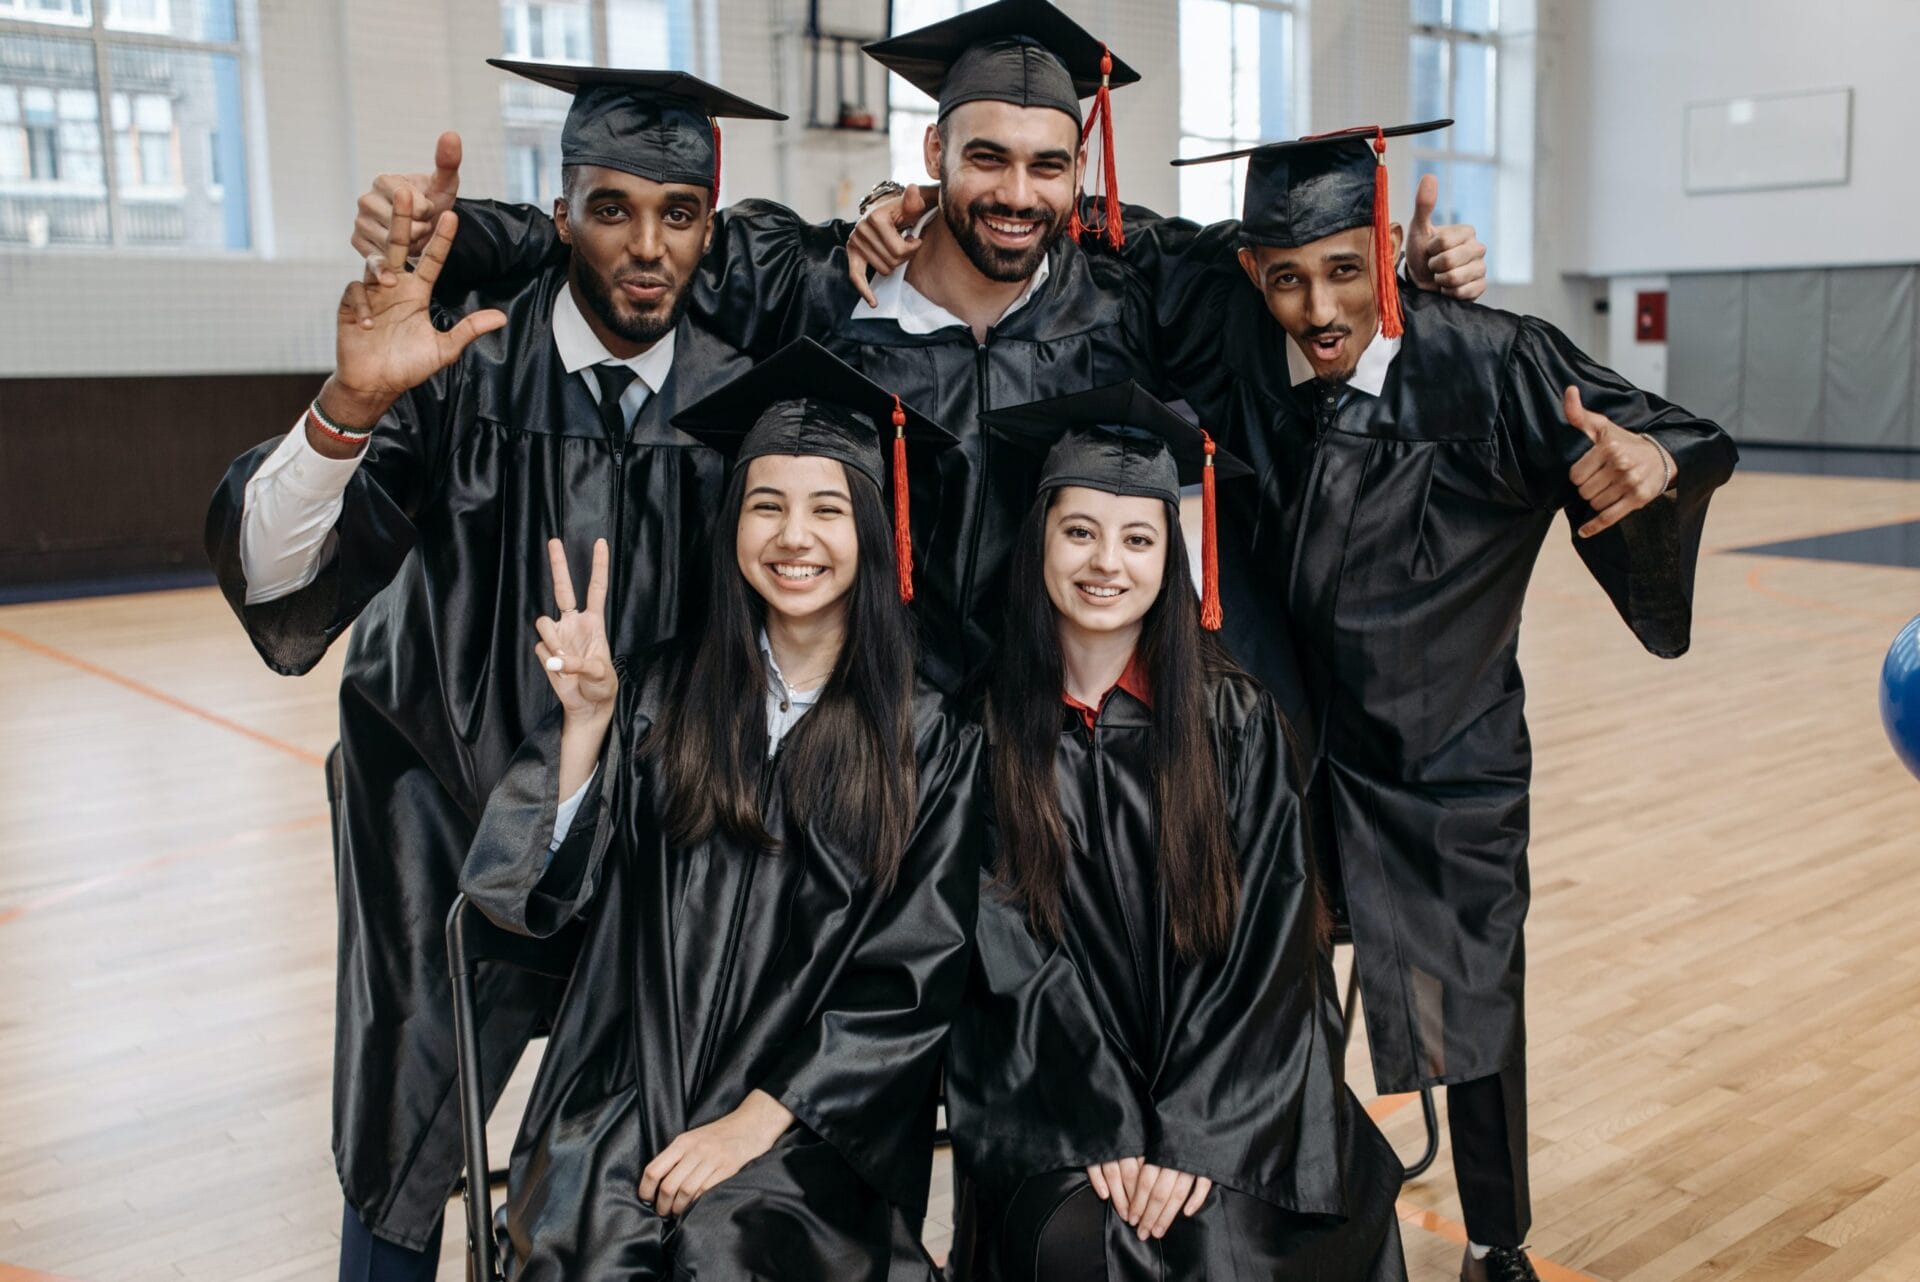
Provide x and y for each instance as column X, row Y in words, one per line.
column 1454, row 72
column 1236, row 89
column 121, row 125
column 619, row 33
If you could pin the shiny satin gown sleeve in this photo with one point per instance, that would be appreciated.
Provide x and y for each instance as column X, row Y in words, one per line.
column 1249, row 1089
column 374, row 534
column 511, row 874
column 1191, row 279
column 767, row 278
column 1646, row 562
column 861, row 1074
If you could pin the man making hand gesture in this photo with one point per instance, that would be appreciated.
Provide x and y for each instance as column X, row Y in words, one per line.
column 1412, row 454
column 417, row 495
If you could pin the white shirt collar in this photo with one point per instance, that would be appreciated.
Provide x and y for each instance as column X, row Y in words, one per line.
column 914, row 312
column 785, row 705
column 580, row 347
column 1369, row 375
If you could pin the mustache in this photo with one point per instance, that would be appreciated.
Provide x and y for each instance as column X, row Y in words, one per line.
column 645, row 277
column 1036, row 214
column 1326, row 331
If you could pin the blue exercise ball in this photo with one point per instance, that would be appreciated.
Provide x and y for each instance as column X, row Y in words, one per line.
column 1900, row 695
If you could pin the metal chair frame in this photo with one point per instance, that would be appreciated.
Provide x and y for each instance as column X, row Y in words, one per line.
column 471, row 940
column 1343, row 934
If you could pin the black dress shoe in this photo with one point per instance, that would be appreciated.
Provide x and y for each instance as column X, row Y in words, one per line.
column 1501, row 1264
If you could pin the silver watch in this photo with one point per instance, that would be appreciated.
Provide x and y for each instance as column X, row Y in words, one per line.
column 885, row 189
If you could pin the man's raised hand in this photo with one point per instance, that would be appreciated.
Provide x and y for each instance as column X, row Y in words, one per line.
column 879, row 242
column 432, row 196
column 384, row 340
column 1622, row 472
column 1449, row 259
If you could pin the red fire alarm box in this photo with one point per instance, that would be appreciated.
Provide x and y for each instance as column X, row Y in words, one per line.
column 1650, row 316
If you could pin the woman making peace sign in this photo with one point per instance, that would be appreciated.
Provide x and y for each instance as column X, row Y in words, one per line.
column 773, row 849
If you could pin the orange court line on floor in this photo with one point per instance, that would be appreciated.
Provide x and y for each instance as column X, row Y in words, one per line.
column 245, row 836
column 1765, row 589
column 14, row 1273
column 1419, row 1217
column 1455, row 1232
column 1385, row 1106
column 161, row 696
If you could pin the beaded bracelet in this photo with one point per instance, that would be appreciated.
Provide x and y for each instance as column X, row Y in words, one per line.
column 317, row 419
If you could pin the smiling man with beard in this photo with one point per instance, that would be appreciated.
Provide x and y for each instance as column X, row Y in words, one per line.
column 417, row 496
column 999, row 307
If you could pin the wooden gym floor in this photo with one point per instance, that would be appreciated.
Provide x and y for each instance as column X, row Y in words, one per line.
column 1725, row 939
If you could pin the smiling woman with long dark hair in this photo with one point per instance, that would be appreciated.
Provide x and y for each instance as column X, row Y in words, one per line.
column 1145, row 1078
column 770, row 830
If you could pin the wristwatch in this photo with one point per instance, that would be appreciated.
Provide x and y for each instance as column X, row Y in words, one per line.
column 885, row 189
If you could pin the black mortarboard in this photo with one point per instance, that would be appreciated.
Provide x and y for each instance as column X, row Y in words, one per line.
column 1311, row 188
column 1025, row 52
column 657, row 125
column 805, row 400
column 1124, row 440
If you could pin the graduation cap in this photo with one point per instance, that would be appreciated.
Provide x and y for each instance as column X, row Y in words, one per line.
column 1305, row 190
column 1124, row 440
column 805, row 400
column 1028, row 53
column 659, row 125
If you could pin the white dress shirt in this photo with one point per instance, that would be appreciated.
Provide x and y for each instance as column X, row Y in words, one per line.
column 914, row 312
column 293, row 502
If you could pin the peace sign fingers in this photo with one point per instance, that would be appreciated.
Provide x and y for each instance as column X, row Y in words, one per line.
column 563, row 596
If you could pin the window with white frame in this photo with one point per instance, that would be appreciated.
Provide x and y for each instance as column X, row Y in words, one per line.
column 909, row 111
column 121, row 124
column 1455, row 72
column 1237, row 87
column 625, row 33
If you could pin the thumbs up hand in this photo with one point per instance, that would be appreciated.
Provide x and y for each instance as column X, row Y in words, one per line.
column 1621, row 473
column 1450, row 259
column 433, row 196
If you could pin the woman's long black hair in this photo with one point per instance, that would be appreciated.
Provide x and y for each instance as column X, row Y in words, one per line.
column 1198, row 871
column 849, row 765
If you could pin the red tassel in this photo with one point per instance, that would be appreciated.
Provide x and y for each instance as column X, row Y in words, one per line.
column 1101, row 117
column 902, row 517
column 1386, row 283
column 1211, row 615
column 716, row 164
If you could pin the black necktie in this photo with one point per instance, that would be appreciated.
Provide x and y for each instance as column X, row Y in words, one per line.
column 614, row 381
column 1326, row 398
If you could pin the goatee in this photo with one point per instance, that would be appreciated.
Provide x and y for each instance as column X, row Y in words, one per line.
column 644, row 328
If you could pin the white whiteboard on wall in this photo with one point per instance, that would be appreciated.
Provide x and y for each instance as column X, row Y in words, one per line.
column 1772, row 140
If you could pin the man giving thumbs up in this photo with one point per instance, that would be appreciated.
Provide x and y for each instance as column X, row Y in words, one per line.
column 1412, row 454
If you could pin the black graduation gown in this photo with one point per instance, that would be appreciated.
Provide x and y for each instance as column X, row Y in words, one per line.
column 771, row 277
column 442, row 560
column 708, row 971
column 1107, row 1045
column 1396, row 536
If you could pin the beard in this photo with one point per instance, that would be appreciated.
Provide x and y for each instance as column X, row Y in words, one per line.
column 1338, row 377
column 1003, row 265
column 644, row 327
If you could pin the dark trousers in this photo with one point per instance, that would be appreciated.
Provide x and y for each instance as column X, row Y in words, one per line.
column 366, row 1258
column 1487, row 1124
